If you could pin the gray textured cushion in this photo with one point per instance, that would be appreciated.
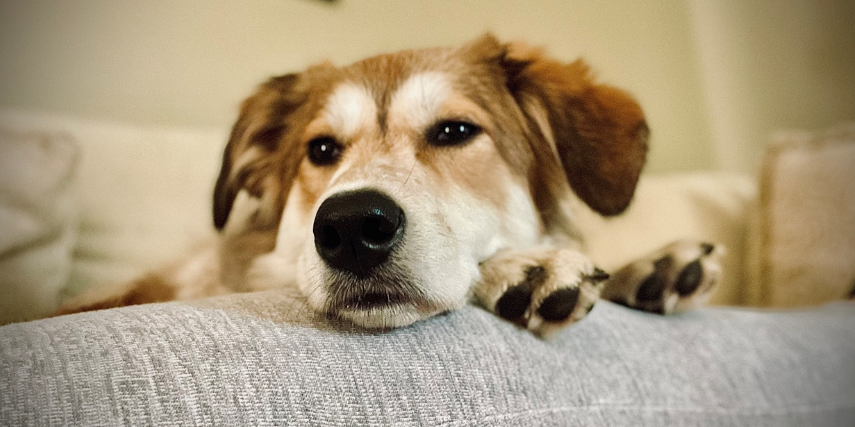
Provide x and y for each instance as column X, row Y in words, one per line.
column 239, row 362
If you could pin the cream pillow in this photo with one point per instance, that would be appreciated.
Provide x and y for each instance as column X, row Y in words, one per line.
column 805, row 240
column 37, row 221
column 145, row 193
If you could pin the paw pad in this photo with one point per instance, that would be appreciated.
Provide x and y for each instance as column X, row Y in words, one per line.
column 513, row 304
column 690, row 278
column 559, row 304
column 650, row 289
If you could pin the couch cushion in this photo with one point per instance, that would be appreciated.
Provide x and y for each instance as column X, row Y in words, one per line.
column 249, row 360
column 37, row 221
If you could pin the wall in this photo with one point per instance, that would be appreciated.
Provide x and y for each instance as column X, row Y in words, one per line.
column 715, row 76
column 770, row 65
column 192, row 61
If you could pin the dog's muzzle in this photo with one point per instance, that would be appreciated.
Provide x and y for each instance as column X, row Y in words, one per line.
column 356, row 231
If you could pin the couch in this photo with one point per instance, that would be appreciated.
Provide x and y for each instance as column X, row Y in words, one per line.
column 87, row 202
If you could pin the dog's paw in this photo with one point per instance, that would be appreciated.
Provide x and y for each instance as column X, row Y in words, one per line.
column 540, row 289
column 674, row 279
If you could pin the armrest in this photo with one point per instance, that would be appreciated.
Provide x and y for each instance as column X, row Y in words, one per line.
column 248, row 360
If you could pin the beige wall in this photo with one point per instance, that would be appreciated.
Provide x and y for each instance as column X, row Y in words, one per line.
column 192, row 61
column 772, row 65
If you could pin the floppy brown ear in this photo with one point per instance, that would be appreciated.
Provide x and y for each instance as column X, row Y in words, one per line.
column 250, row 157
column 598, row 131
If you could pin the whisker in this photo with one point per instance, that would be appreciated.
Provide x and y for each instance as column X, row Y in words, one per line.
column 409, row 175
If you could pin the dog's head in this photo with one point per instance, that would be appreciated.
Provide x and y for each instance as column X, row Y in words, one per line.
column 390, row 180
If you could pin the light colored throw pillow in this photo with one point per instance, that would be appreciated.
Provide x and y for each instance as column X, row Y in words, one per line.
column 37, row 221
column 145, row 193
column 806, row 226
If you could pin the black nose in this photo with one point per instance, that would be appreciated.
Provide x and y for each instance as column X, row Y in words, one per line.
column 356, row 231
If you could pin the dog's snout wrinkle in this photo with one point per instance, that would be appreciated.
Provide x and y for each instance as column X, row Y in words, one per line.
column 356, row 231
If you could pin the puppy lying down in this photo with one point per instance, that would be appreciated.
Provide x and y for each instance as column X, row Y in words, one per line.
column 407, row 184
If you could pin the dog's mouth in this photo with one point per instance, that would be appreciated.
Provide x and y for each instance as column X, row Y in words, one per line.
column 373, row 300
column 388, row 285
column 379, row 304
column 380, row 301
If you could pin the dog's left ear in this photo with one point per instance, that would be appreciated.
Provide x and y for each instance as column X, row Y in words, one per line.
column 250, row 157
column 598, row 131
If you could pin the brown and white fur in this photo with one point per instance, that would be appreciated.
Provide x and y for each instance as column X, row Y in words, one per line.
column 486, row 211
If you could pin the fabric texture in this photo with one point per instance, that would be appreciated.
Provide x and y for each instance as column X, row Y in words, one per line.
column 38, row 221
column 806, row 225
column 248, row 360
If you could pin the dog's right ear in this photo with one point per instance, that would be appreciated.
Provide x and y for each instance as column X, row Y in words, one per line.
column 250, row 157
column 598, row 132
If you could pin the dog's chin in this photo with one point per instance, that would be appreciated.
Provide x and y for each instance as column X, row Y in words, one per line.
column 385, row 309
column 386, row 316
column 390, row 296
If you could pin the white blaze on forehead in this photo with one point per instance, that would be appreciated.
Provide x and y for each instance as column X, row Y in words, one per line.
column 418, row 100
column 349, row 108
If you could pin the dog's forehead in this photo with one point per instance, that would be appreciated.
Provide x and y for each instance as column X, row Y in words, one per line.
column 352, row 105
column 418, row 99
column 349, row 108
column 407, row 88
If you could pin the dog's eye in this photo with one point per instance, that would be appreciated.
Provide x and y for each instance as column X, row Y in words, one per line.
column 324, row 151
column 452, row 133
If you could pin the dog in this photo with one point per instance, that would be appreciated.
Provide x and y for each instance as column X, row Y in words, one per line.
column 408, row 184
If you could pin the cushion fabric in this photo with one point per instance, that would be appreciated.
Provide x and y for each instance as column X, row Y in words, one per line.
column 244, row 360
